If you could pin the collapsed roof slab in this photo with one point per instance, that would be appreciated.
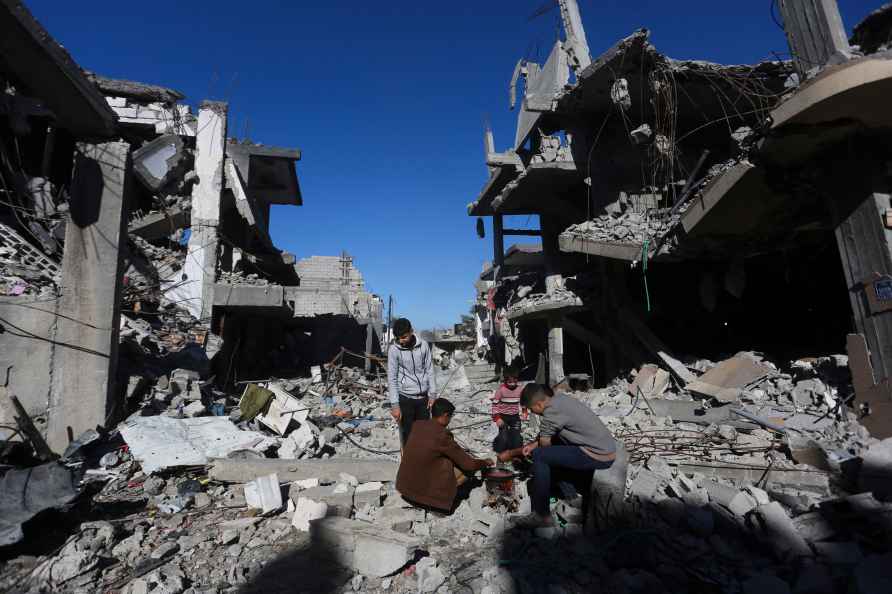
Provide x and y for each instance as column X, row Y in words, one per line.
column 533, row 191
column 269, row 172
column 545, row 305
column 525, row 256
column 155, row 162
column 577, row 243
column 841, row 99
column 268, row 296
column 706, row 93
column 31, row 54
column 157, row 225
column 498, row 179
column 859, row 89
column 142, row 92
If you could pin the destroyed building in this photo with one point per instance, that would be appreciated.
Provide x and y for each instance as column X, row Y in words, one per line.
column 162, row 230
column 188, row 409
column 706, row 208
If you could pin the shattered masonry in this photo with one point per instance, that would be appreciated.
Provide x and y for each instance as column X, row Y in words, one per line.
column 190, row 409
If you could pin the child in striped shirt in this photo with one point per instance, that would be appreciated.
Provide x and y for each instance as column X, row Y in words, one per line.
column 506, row 412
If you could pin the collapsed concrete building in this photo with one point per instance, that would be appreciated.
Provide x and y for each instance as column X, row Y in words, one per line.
column 697, row 208
column 126, row 217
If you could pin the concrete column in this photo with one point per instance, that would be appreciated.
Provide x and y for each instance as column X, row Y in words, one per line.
column 815, row 32
column 498, row 243
column 555, row 351
column 201, row 261
column 84, row 362
column 369, row 335
column 865, row 247
column 553, row 282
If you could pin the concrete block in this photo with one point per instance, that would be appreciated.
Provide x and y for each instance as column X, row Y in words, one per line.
column 154, row 163
column 241, row 471
column 742, row 504
column 339, row 502
column 608, row 491
column 779, row 531
column 306, row 511
column 369, row 550
column 430, row 576
column 264, row 493
column 814, row 526
column 648, row 486
column 368, row 494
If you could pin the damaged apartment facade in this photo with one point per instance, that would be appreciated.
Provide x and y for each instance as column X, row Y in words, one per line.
column 134, row 239
column 700, row 209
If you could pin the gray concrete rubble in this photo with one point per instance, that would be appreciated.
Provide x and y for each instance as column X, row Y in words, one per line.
column 186, row 408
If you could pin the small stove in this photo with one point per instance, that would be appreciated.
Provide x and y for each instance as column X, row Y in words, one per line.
column 501, row 494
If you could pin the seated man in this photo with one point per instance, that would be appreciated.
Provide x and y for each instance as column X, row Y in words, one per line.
column 427, row 474
column 589, row 444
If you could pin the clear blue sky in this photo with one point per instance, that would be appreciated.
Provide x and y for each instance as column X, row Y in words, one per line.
column 387, row 101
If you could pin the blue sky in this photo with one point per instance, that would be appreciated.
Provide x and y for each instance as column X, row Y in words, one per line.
column 387, row 102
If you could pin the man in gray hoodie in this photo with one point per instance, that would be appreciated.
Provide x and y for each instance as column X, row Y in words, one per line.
column 410, row 370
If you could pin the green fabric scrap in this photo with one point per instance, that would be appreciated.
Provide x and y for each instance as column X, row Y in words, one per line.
column 254, row 401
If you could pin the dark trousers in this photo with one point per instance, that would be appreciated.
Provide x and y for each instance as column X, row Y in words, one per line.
column 411, row 410
column 554, row 458
column 509, row 436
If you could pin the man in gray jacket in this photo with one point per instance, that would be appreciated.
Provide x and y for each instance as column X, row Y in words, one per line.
column 410, row 370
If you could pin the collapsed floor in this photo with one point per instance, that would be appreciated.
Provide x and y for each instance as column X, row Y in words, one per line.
column 752, row 478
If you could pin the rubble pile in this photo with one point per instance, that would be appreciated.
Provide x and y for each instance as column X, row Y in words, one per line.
column 25, row 270
column 628, row 227
column 750, row 476
column 240, row 278
column 526, row 302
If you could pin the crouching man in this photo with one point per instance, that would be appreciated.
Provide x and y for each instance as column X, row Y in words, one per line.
column 585, row 445
column 432, row 465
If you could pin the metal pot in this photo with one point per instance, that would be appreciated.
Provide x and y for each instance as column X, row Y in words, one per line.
column 499, row 480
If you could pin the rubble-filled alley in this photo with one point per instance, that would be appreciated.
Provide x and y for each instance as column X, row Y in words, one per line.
column 186, row 408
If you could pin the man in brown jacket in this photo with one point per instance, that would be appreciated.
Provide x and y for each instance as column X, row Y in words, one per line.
column 427, row 474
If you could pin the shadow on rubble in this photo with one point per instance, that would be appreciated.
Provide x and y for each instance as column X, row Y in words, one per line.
column 673, row 547
column 307, row 567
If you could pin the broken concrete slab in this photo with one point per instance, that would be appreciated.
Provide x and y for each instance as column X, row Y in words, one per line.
column 778, row 530
column 306, row 511
column 367, row 549
column 242, row 471
column 338, row 498
column 264, row 493
column 608, row 492
column 726, row 381
column 651, row 380
column 163, row 442
column 368, row 494
column 155, row 162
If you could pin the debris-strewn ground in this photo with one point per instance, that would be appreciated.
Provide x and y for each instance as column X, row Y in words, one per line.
column 768, row 498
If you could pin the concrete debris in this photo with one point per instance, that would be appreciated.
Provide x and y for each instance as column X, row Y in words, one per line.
column 619, row 94
column 642, row 134
column 264, row 493
column 164, row 442
column 216, row 369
